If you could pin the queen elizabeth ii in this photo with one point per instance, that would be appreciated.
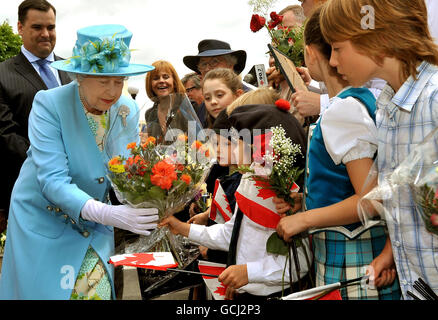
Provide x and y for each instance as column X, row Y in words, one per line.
column 60, row 231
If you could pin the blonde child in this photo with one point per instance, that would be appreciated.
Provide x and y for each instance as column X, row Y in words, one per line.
column 398, row 48
column 341, row 150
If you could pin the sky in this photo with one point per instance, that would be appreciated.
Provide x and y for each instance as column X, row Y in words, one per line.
column 162, row 29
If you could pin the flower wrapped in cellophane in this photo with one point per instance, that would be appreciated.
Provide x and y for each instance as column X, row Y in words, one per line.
column 416, row 177
column 164, row 171
column 151, row 177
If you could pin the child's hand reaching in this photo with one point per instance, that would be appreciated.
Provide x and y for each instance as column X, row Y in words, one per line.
column 176, row 226
column 200, row 218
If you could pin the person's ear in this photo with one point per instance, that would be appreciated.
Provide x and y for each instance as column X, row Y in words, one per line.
column 310, row 54
column 19, row 28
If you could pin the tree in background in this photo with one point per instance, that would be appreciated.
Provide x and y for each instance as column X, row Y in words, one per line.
column 10, row 43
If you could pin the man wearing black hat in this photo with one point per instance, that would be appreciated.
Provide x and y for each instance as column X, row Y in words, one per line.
column 215, row 54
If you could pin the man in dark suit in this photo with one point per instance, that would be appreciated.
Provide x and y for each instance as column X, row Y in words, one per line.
column 21, row 77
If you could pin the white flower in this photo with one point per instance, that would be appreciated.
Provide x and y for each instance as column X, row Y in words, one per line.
column 284, row 150
column 261, row 6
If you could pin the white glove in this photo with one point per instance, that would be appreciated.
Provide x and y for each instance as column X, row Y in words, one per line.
column 122, row 217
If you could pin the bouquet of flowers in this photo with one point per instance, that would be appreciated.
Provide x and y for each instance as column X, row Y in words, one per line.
column 165, row 172
column 416, row 177
column 151, row 178
column 289, row 41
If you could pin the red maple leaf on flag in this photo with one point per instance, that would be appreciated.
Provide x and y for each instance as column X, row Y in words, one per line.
column 263, row 190
column 137, row 258
column 228, row 204
column 221, row 290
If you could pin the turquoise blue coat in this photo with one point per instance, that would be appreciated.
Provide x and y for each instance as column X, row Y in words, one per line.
column 46, row 240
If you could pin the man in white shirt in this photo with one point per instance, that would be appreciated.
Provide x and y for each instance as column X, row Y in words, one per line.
column 21, row 77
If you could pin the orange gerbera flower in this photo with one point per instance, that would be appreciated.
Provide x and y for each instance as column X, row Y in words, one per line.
column 114, row 161
column 163, row 174
column 149, row 140
column 186, row 178
column 182, row 137
column 131, row 145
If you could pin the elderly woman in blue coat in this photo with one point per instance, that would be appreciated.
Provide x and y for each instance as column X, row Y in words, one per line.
column 60, row 231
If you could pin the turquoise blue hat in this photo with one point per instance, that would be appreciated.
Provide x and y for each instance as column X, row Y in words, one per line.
column 102, row 50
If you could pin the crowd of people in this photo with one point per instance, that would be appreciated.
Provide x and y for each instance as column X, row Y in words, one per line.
column 372, row 98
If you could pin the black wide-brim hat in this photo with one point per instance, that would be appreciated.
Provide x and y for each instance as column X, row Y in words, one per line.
column 213, row 48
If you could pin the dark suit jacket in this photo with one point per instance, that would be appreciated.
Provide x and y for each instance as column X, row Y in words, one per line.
column 19, row 82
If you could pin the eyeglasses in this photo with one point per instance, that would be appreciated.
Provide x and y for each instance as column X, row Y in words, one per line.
column 213, row 63
column 188, row 90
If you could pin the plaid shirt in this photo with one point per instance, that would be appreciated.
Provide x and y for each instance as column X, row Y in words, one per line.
column 403, row 120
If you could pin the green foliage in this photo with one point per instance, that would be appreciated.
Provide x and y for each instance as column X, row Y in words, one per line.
column 289, row 41
column 10, row 43
column 277, row 245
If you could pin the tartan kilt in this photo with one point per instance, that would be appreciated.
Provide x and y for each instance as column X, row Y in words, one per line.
column 338, row 258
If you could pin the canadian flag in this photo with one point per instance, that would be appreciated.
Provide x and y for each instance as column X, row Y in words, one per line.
column 147, row 260
column 327, row 292
column 254, row 198
column 220, row 210
column 216, row 288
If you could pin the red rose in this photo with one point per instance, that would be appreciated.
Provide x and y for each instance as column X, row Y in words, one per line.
column 275, row 20
column 283, row 104
column 257, row 22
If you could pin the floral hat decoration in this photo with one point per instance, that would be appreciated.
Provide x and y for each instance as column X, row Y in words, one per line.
column 102, row 50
